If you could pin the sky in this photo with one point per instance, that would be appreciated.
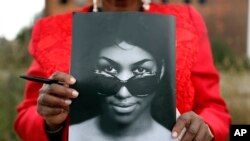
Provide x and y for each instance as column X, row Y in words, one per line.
column 17, row 14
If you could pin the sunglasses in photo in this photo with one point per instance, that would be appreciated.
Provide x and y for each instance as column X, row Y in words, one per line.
column 140, row 86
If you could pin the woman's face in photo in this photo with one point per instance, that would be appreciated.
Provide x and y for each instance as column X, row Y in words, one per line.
column 126, row 63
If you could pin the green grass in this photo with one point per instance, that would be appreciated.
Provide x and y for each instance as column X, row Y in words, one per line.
column 14, row 61
column 11, row 93
column 236, row 91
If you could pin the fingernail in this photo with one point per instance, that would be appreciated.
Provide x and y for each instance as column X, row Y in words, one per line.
column 68, row 101
column 72, row 80
column 75, row 93
column 174, row 134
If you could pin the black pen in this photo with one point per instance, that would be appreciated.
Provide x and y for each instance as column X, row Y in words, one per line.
column 41, row 80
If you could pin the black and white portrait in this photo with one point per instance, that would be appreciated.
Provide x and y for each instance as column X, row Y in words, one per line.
column 124, row 64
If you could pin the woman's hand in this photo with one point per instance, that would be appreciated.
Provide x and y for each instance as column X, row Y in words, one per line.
column 191, row 127
column 54, row 100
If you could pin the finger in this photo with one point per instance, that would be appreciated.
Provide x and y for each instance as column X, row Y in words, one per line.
column 210, row 133
column 63, row 77
column 182, row 122
column 46, row 111
column 193, row 129
column 60, row 91
column 202, row 134
column 55, row 121
column 53, row 101
column 182, row 133
column 209, row 137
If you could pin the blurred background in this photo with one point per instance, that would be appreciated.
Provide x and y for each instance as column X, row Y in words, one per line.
column 226, row 20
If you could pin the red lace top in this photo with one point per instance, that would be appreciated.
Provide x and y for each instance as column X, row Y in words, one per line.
column 197, row 81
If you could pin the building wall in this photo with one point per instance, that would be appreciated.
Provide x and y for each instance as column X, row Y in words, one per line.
column 53, row 7
column 227, row 20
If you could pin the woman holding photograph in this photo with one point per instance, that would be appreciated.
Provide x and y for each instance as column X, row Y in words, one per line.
column 43, row 113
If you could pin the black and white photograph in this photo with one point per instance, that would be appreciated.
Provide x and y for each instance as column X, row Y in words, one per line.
column 124, row 64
